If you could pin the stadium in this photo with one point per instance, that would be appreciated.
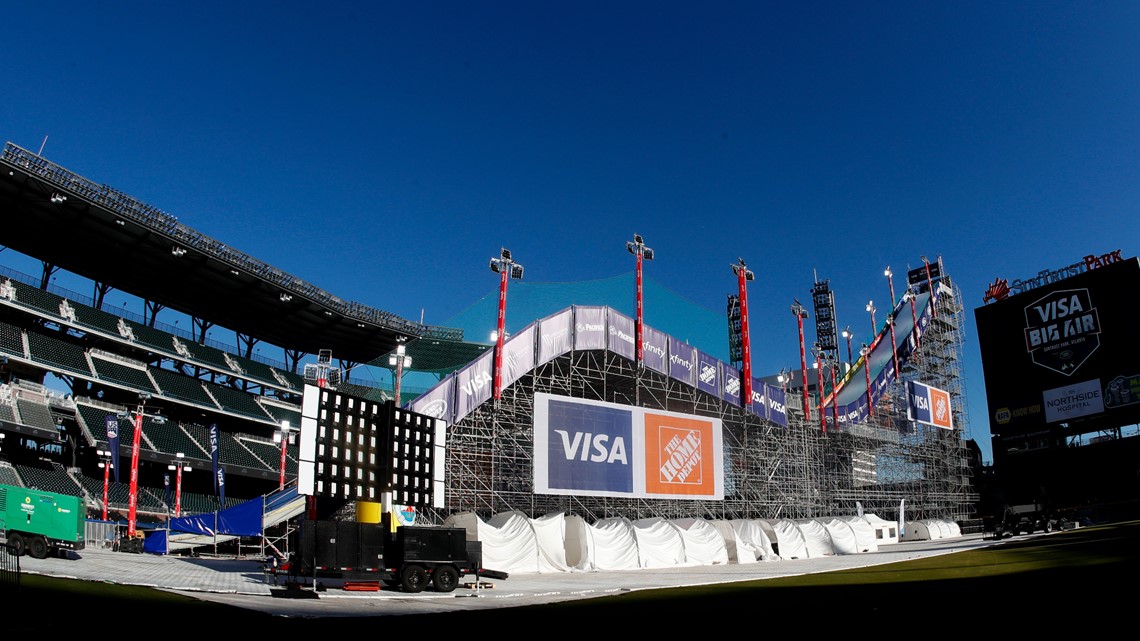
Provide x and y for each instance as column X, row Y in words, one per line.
column 836, row 437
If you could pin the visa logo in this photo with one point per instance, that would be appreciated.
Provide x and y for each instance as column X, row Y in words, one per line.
column 585, row 446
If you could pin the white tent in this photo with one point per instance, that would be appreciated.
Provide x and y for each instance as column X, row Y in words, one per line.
column 843, row 540
column 738, row 551
column 816, row 538
column 611, row 545
column 865, row 539
column 550, row 533
column 509, row 542
column 929, row 529
column 659, row 543
column 704, row 544
column 790, row 539
column 885, row 531
column 745, row 540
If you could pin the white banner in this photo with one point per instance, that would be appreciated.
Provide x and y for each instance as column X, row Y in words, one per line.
column 589, row 328
column 518, row 355
column 554, row 336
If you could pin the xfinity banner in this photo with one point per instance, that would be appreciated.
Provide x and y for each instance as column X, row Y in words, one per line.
column 595, row 448
column 653, row 345
column 928, row 405
column 682, row 362
column 554, row 336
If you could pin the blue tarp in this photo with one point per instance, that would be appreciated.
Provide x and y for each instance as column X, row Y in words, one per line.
column 245, row 519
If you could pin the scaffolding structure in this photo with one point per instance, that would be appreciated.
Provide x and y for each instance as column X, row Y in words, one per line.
column 771, row 471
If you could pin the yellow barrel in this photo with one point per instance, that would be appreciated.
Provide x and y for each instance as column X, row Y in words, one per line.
column 368, row 512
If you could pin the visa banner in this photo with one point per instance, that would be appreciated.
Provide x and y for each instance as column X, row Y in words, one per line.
column 929, row 405
column 594, row 448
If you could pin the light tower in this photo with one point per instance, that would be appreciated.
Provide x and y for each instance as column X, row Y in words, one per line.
column 891, row 320
column 506, row 268
column 400, row 360
column 637, row 248
column 282, row 435
column 743, row 275
column 133, row 499
column 865, row 352
column 800, row 314
column 177, row 466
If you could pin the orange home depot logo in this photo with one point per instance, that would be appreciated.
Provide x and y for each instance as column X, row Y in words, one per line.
column 678, row 455
column 940, row 409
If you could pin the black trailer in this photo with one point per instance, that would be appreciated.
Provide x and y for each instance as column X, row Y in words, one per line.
column 411, row 558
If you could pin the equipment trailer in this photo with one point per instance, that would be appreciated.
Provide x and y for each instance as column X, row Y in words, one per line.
column 39, row 523
column 411, row 558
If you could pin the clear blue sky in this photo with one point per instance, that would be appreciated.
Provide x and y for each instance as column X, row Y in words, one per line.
column 386, row 151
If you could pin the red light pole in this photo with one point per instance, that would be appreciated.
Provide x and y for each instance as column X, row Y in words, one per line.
column 637, row 248
column 506, row 268
column 400, row 360
column 283, row 436
column 866, row 354
column 891, row 320
column 743, row 275
column 817, row 354
column 874, row 325
column 133, row 499
column 105, row 463
column 801, row 314
column 178, row 466
column 910, row 295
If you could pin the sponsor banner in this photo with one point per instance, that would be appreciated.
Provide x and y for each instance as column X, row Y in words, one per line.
column 708, row 374
column 554, row 336
column 654, row 349
column 214, row 454
column 436, row 402
column 594, row 448
column 112, row 426
column 518, row 355
column 730, row 384
column 777, row 405
column 758, row 404
column 929, row 405
column 473, row 384
column 621, row 338
column 589, row 328
column 1072, row 401
column 682, row 362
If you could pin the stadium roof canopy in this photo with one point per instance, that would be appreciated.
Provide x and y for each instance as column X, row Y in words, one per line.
column 100, row 233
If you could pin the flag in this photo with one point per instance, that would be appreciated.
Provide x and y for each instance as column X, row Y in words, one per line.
column 166, row 484
column 902, row 521
column 220, row 477
column 214, row 453
column 112, row 424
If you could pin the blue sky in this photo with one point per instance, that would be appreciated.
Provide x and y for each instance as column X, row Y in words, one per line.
column 386, row 151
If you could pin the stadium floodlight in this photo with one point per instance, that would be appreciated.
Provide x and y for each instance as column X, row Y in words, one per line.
column 399, row 360
column 58, row 198
column 847, row 334
column 637, row 248
column 506, row 268
column 133, row 499
column 874, row 325
column 178, row 467
column 106, row 464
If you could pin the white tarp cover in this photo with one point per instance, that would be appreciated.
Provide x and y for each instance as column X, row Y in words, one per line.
column 790, row 539
column 885, row 531
column 843, row 539
column 927, row 529
column 704, row 545
column 759, row 534
column 865, row 538
column 816, row 538
column 550, row 532
column 509, row 542
column 738, row 551
column 611, row 545
column 659, row 543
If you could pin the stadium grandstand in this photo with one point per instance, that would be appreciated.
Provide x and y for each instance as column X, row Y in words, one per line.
column 115, row 365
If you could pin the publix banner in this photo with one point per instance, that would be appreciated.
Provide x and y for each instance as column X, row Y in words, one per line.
column 621, row 337
column 594, row 448
column 589, row 328
column 929, row 405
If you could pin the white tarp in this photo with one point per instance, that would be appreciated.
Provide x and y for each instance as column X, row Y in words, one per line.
column 509, row 543
column 550, row 533
column 885, row 531
column 610, row 545
column 842, row 535
column 789, row 539
column 751, row 540
column 929, row 529
column 659, row 543
column 703, row 543
column 816, row 538
column 865, row 538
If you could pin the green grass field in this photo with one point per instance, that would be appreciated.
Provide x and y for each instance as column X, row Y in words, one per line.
column 1041, row 584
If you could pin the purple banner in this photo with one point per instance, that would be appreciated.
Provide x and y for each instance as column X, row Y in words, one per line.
column 518, row 355
column 473, row 384
column 708, row 374
column 758, row 404
column 730, row 384
column 621, row 339
column 554, row 336
column 654, row 345
column 112, row 426
column 682, row 362
column 436, row 402
column 589, row 328
column 214, row 453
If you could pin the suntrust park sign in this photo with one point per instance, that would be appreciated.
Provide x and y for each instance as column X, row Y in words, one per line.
column 1000, row 289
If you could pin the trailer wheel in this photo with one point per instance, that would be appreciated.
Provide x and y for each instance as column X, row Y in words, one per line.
column 445, row 578
column 413, row 578
column 17, row 543
column 38, row 547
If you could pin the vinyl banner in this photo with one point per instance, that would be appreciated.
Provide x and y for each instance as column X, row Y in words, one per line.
column 777, row 405
column 708, row 374
column 518, row 355
column 928, row 405
column 730, row 384
column 653, row 353
column 682, row 362
column 758, row 404
column 473, row 384
column 589, row 328
column 594, row 448
column 436, row 402
column 621, row 338
column 554, row 336
column 111, row 424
